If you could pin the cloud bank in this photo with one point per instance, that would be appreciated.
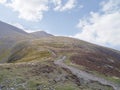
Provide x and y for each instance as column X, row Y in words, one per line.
column 102, row 27
column 33, row 10
column 2, row 1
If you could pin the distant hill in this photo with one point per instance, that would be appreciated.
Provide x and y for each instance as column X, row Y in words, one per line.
column 40, row 34
column 10, row 31
column 10, row 35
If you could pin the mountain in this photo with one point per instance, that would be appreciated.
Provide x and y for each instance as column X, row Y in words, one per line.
column 6, row 29
column 40, row 34
column 41, row 61
column 92, row 56
column 80, row 55
column 10, row 35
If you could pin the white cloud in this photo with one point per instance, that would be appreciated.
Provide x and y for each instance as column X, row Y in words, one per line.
column 111, row 6
column 29, row 9
column 33, row 10
column 68, row 5
column 57, row 3
column 35, row 30
column 2, row 1
column 100, row 28
column 18, row 25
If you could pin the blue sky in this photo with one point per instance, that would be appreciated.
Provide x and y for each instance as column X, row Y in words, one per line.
column 60, row 23
column 89, row 20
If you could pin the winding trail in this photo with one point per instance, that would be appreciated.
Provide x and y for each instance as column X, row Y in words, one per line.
column 84, row 75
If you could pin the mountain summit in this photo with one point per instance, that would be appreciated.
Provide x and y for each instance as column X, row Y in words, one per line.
column 40, row 34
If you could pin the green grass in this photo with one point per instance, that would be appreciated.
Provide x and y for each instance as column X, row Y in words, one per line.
column 4, row 54
column 35, row 56
column 110, row 78
column 37, row 76
column 67, row 86
column 114, row 79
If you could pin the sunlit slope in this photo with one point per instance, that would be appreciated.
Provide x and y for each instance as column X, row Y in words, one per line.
column 10, row 35
column 91, row 56
column 31, row 65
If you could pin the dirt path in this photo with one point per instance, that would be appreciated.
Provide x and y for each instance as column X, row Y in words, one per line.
column 84, row 75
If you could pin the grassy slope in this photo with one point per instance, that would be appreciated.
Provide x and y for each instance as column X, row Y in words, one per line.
column 7, row 42
column 43, row 75
column 93, row 57
column 40, row 54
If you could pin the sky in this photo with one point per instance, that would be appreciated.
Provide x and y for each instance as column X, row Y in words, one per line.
column 95, row 21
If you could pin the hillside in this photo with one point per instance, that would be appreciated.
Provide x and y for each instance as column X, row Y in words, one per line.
column 10, row 35
column 41, row 61
column 93, row 57
column 100, row 61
